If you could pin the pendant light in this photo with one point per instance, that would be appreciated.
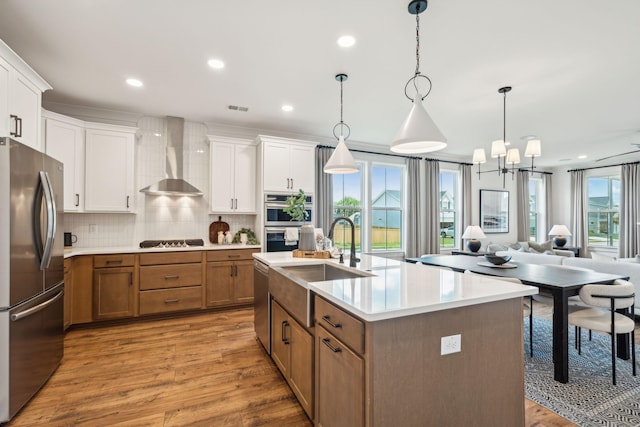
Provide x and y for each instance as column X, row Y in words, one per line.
column 419, row 133
column 341, row 161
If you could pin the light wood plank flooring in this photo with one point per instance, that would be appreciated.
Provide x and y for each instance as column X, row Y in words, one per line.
column 197, row 370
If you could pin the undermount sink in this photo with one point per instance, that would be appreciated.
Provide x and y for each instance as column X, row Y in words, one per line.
column 320, row 272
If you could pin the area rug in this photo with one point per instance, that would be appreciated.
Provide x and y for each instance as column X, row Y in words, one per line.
column 589, row 398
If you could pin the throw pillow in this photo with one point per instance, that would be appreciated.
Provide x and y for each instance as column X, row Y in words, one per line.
column 515, row 246
column 634, row 260
column 495, row 247
column 601, row 257
column 541, row 247
column 524, row 245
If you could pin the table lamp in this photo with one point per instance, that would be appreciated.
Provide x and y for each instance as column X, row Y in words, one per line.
column 559, row 231
column 473, row 233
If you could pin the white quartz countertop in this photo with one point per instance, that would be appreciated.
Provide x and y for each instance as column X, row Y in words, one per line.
column 71, row 252
column 398, row 289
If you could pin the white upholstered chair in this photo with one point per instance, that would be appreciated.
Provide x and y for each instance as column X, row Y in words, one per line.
column 605, row 300
column 527, row 308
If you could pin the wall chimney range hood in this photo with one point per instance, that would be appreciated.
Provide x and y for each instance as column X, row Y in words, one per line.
column 174, row 184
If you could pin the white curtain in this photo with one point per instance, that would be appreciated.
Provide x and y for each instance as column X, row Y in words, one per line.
column 548, row 197
column 466, row 208
column 579, row 211
column 629, row 209
column 432, row 211
column 416, row 219
column 522, row 203
column 324, row 191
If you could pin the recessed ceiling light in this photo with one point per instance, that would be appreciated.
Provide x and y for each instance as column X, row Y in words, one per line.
column 134, row 82
column 346, row 41
column 287, row 108
column 582, row 156
column 216, row 63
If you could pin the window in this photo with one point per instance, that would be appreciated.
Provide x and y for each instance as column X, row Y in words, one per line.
column 603, row 211
column 448, row 219
column 386, row 207
column 347, row 201
column 536, row 215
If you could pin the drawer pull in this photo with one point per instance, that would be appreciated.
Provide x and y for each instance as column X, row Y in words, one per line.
column 233, row 256
column 327, row 319
column 284, row 332
column 326, row 341
column 171, row 277
column 167, row 301
column 114, row 261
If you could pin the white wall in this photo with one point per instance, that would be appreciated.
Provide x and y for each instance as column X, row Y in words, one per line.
column 158, row 217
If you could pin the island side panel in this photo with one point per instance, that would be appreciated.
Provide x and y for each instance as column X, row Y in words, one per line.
column 409, row 382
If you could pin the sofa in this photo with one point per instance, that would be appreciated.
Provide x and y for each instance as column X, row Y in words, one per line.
column 625, row 267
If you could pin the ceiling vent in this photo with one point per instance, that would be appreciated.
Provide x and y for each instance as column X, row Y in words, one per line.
column 174, row 184
column 237, row 108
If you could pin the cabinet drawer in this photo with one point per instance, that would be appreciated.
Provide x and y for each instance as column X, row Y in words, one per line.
column 231, row 254
column 170, row 276
column 167, row 300
column 115, row 260
column 170, row 257
column 341, row 324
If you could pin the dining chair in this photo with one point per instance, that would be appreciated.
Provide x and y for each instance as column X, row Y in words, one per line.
column 605, row 300
column 527, row 309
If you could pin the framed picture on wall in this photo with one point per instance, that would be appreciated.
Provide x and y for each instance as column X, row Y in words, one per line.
column 494, row 211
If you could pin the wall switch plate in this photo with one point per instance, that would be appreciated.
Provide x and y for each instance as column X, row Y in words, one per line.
column 93, row 228
column 450, row 344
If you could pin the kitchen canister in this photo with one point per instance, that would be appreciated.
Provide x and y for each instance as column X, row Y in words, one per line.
column 307, row 240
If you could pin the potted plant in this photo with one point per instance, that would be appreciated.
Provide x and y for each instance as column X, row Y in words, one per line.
column 296, row 208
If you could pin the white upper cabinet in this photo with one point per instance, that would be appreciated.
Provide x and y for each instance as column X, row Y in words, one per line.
column 233, row 175
column 64, row 140
column 288, row 165
column 21, row 91
column 109, row 168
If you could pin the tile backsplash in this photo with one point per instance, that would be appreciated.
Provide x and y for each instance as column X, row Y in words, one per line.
column 158, row 217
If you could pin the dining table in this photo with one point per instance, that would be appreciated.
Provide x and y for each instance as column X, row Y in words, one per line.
column 560, row 283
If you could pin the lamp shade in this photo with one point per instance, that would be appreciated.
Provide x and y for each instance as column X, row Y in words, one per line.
column 473, row 232
column 479, row 156
column 418, row 134
column 341, row 161
column 533, row 148
column 559, row 230
column 498, row 149
column 513, row 156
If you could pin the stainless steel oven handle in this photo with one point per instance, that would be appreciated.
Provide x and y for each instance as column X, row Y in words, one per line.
column 37, row 308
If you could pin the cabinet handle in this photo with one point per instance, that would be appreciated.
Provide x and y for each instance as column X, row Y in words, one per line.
column 130, row 279
column 231, row 203
column 327, row 319
column 77, row 199
column 114, row 261
column 127, row 202
column 231, row 267
column 292, row 183
column 171, row 277
column 235, row 270
column 326, row 341
column 15, row 121
column 19, row 122
column 284, row 332
column 168, row 301
column 235, row 203
column 233, row 256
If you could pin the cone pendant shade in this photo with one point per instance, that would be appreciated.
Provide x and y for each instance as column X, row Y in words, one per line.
column 341, row 161
column 418, row 134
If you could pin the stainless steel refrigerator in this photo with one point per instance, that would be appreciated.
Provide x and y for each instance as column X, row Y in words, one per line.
column 31, row 273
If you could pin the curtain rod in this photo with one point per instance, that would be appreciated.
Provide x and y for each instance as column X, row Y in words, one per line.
column 605, row 166
column 530, row 171
column 398, row 155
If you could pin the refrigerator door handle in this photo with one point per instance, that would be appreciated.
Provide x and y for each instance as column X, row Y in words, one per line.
column 37, row 308
column 51, row 220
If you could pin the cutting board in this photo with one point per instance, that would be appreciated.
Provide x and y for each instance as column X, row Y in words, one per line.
column 216, row 226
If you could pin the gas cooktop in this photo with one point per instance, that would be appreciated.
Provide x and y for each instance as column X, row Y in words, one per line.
column 180, row 243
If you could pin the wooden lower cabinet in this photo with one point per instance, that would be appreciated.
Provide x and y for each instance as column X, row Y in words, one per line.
column 229, row 277
column 68, row 291
column 339, row 383
column 292, row 351
column 113, row 293
column 81, row 287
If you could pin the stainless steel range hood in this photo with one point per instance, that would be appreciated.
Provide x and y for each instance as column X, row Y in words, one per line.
column 174, row 184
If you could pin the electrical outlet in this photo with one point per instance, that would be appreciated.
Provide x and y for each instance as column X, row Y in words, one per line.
column 450, row 344
column 93, row 228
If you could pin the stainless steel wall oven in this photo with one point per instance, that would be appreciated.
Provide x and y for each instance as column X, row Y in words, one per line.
column 276, row 220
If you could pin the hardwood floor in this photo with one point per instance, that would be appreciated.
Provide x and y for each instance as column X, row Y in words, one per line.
column 198, row 370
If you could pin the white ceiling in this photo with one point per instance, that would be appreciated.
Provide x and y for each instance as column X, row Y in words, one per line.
column 574, row 66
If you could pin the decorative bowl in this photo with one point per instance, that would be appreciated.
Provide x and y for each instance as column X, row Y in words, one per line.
column 497, row 260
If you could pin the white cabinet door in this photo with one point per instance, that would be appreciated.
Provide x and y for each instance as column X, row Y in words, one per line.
column 5, row 76
column 302, row 166
column 233, row 177
column 24, row 102
column 245, row 178
column 65, row 142
column 222, row 176
column 109, row 185
column 276, row 167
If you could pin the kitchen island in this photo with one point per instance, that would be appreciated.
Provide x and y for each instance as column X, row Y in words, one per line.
column 403, row 344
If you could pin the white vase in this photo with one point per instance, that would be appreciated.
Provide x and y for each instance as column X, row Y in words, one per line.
column 307, row 240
